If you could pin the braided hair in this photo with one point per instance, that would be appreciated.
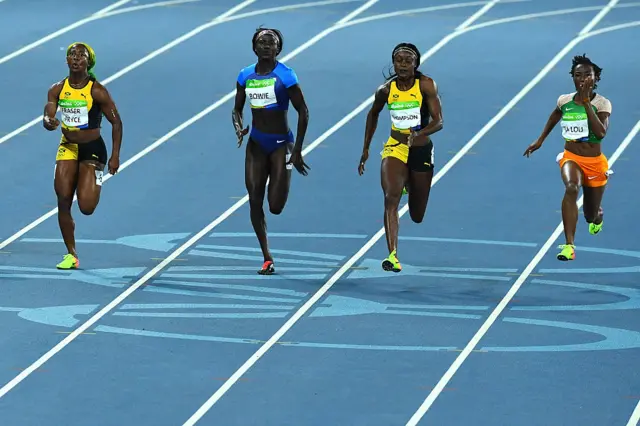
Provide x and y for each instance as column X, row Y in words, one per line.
column 406, row 47
column 275, row 33
column 584, row 60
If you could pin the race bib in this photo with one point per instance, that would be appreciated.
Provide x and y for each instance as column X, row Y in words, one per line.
column 74, row 113
column 261, row 93
column 575, row 126
column 405, row 115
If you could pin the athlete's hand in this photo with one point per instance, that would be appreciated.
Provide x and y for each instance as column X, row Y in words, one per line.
column 585, row 90
column 412, row 136
column 114, row 165
column 50, row 123
column 363, row 159
column 532, row 148
column 241, row 134
column 298, row 162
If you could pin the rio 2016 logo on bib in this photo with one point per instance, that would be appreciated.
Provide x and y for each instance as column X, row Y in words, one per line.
column 261, row 93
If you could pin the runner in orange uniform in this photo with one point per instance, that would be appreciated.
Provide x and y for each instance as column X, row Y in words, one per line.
column 584, row 117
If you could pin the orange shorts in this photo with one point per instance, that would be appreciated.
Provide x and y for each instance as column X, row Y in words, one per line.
column 595, row 170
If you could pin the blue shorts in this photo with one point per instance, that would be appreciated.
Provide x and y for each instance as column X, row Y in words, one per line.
column 269, row 142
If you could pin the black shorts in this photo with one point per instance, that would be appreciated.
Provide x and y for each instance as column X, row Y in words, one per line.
column 421, row 158
column 94, row 151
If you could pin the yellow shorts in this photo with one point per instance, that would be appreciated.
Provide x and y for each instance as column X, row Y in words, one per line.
column 418, row 158
column 95, row 151
column 395, row 149
column 67, row 151
column 595, row 170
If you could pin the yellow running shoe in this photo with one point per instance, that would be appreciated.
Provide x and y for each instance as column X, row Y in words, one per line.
column 391, row 263
column 568, row 252
column 69, row 262
column 594, row 229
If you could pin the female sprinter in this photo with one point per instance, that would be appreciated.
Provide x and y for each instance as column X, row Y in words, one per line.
column 82, row 153
column 270, row 152
column 585, row 119
column 407, row 158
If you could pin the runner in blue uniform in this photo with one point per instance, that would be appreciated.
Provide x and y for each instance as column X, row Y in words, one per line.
column 271, row 151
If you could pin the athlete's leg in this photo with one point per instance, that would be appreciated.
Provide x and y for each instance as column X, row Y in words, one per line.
column 394, row 175
column 419, row 191
column 65, row 182
column 572, row 178
column 593, row 208
column 89, row 186
column 256, row 172
column 420, row 164
column 279, row 179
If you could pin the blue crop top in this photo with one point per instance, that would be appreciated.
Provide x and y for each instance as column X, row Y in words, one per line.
column 270, row 90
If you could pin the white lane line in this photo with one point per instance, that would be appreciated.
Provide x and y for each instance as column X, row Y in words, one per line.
column 217, row 21
column 507, row 298
column 196, row 31
column 289, row 7
column 546, row 14
column 338, row 125
column 448, row 375
column 510, row 294
column 351, row 115
column 634, row 420
column 456, row 34
column 146, row 6
column 101, row 14
column 111, row 7
column 399, row 13
column 224, row 388
column 612, row 28
column 208, row 110
column 181, row 127
column 61, row 31
column 115, row 302
column 123, row 296
column 596, row 19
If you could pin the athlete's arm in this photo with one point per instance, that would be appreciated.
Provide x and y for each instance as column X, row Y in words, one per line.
column 298, row 102
column 49, row 120
column 236, row 113
column 107, row 105
column 430, row 92
column 552, row 121
column 598, row 122
column 379, row 101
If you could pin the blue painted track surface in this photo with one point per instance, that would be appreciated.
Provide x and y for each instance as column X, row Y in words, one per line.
column 565, row 350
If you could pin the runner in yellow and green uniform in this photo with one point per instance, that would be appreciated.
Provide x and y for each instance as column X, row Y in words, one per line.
column 407, row 157
column 584, row 117
column 82, row 153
